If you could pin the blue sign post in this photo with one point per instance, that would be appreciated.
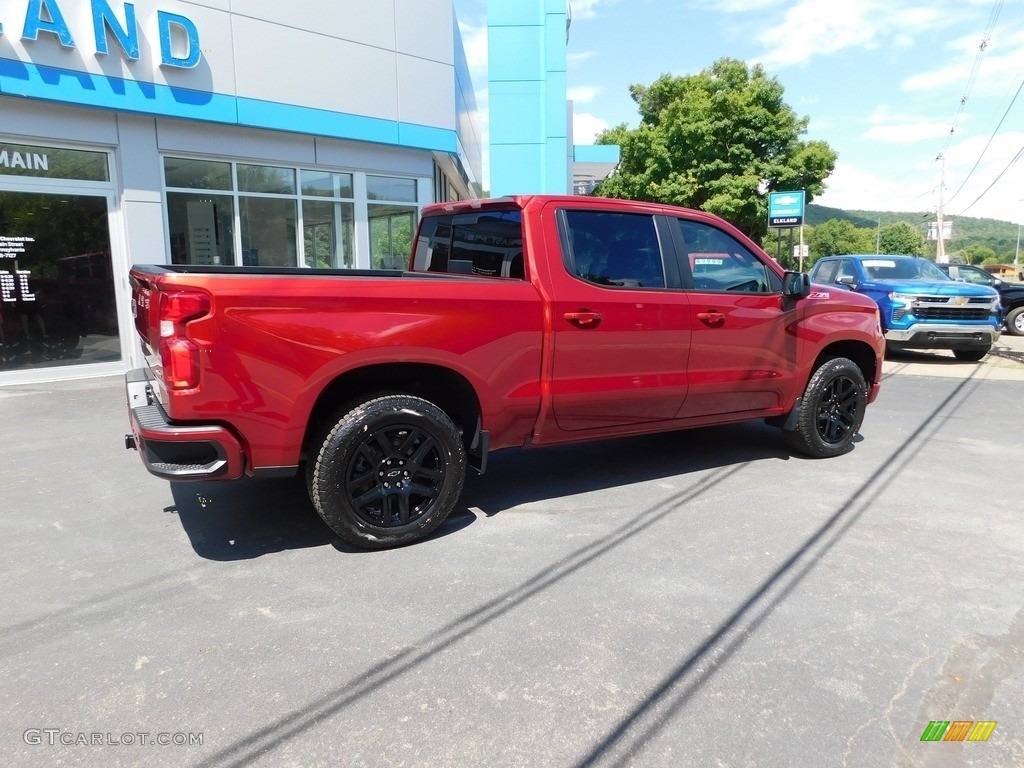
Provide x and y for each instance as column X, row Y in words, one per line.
column 786, row 209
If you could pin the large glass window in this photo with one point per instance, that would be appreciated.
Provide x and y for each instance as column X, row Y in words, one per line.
column 268, row 232
column 56, row 281
column 222, row 212
column 327, row 219
column 197, row 174
column 392, row 224
column 53, row 162
column 202, row 227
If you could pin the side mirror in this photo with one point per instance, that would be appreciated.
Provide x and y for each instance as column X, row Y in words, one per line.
column 848, row 280
column 796, row 285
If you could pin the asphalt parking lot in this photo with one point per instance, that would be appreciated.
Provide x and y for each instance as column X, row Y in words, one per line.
column 699, row 598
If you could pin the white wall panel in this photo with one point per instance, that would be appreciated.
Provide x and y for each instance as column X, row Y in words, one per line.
column 426, row 92
column 330, row 74
column 26, row 117
column 226, row 141
column 426, row 28
column 138, row 160
column 376, row 158
column 367, row 22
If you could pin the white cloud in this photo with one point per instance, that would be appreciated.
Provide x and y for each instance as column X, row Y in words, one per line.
column 854, row 188
column 587, row 9
column 811, row 28
column 583, row 94
column 575, row 59
column 586, row 127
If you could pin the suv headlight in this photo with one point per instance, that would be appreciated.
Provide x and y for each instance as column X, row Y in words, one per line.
column 902, row 298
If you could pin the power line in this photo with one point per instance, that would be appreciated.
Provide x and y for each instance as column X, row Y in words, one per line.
column 1018, row 156
column 975, row 68
column 989, row 143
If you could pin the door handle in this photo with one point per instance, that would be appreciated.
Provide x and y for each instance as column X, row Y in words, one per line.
column 711, row 319
column 583, row 319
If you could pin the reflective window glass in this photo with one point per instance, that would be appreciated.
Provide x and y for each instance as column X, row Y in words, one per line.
column 268, row 231
column 618, row 250
column 718, row 262
column 391, row 231
column 327, row 229
column 390, row 188
column 57, row 304
column 326, row 184
column 53, row 163
column 266, row 178
column 201, row 227
column 488, row 243
column 185, row 173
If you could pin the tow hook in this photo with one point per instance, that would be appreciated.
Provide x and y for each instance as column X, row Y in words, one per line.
column 129, row 443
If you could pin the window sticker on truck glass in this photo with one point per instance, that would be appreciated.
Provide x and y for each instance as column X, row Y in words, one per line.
column 878, row 263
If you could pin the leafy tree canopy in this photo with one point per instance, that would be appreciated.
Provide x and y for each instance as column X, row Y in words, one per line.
column 901, row 237
column 710, row 140
column 836, row 236
column 978, row 254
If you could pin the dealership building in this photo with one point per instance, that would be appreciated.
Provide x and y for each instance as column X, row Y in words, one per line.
column 299, row 134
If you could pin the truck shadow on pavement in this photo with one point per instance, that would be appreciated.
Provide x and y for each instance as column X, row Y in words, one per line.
column 250, row 518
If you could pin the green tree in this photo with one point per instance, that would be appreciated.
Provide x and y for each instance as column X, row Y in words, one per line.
column 901, row 237
column 978, row 254
column 838, row 236
column 714, row 141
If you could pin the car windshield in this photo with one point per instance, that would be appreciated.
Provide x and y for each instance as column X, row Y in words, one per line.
column 902, row 269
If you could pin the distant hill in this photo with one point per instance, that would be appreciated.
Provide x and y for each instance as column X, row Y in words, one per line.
column 1000, row 236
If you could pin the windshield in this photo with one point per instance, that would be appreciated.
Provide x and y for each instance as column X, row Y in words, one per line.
column 902, row 269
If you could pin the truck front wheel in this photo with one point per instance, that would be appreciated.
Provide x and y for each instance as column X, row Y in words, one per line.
column 832, row 410
column 388, row 472
column 1015, row 321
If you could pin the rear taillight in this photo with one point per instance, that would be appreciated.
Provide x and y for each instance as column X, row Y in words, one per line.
column 179, row 355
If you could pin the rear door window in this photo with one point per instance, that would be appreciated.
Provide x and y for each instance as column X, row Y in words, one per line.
column 616, row 250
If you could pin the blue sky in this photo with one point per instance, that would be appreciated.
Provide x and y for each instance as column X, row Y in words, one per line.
column 891, row 85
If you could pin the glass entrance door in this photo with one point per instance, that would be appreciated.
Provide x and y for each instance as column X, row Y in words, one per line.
column 57, row 289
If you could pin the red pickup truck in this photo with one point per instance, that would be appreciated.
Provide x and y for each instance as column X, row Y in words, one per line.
column 521, row 321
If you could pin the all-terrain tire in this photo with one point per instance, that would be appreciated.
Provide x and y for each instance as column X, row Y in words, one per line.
column 388, row 472
column 832, row 410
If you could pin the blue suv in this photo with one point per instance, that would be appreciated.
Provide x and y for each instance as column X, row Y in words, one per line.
column 919, row 305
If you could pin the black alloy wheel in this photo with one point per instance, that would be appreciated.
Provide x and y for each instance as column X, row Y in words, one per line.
column 388, row 472
column 832, row 410
column 837, row 410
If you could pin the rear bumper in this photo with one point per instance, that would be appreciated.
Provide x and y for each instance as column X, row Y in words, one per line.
column 178, row 451
column 936, row 336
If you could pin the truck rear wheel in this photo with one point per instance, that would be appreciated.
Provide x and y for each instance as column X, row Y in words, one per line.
column 832, row 410
column 388, row 472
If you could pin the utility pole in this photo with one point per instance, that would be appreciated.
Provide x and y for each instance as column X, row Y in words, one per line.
column 940, row 243
column 1017, row 273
